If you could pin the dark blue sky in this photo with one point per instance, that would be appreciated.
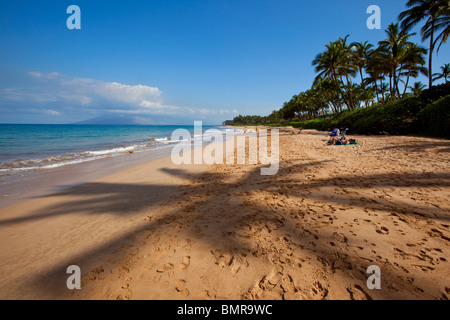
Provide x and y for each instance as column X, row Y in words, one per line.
column 197, row 59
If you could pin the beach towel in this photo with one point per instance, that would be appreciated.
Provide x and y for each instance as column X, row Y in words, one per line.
column 350, row 144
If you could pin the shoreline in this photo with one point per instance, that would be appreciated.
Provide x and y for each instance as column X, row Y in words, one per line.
column 45, row 181
column 160, row 231
column 41, row 181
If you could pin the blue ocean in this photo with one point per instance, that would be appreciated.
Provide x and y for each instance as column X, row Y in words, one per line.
column 27, row 147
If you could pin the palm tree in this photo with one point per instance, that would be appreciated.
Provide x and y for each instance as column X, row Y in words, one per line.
column 361, row 55
column 336, row 63
column 412, row 64
column 417, row 88
column 444, row 74
column 347, row 69
column 441, row 23
column 328, row 89
column 393, row 54
column 383, row 88
column 431, row 11
column 376, row 71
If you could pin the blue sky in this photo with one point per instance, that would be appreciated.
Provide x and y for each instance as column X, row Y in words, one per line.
column 204, row 60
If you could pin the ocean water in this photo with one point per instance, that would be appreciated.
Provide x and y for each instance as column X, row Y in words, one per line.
column 25, row 148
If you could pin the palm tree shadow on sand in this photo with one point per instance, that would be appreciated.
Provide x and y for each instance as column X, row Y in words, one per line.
column 198, row 203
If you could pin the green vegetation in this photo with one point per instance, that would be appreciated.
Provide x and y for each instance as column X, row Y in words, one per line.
column 427, row 114
column 365, row 88
column 436, row 118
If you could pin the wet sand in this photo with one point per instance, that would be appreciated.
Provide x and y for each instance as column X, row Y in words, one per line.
column 45, row 181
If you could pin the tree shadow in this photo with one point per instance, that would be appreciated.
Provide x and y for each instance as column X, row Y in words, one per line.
column 203, row 193
column 420, row 146
column 99, row 198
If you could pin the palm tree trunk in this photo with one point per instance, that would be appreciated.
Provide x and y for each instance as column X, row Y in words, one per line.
column 350, row 95
column 395, row 88
column 390, row 85
column 430, row 57
column 376, row 91
column 406, row 86
column 362, row 79
column 343, row 94
column 382, row 90
column 398, row 89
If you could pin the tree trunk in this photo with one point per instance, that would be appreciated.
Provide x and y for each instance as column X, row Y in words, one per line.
column 376, row 91
column 395, row 88
column 382, row 90
column 390, row 85
column 430, row 57
column 362, row 79
column 350, row 95
column 406, row 86
column 342, row 93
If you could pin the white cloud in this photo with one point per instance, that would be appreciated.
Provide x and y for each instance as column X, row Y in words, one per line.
column 57, row 94
column 35, row 74
column 44, row 76
column 117, row 93
column 52, row 112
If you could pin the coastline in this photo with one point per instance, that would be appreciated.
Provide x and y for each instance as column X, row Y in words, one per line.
column 46, row 181
column 28, row 178
column 160, row 231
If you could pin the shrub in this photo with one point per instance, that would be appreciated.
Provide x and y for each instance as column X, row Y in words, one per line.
column 435, row 118
column 435, row 93
column 411, row 114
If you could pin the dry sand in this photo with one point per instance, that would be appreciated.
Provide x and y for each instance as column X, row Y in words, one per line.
column 160, row 231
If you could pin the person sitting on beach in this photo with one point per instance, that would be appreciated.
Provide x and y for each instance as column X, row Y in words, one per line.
column 341, row 141
column 336, row 132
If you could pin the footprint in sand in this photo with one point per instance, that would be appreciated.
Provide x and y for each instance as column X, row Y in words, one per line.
column 186, row 263
column 272, row 279
column 382, row 230
column 318, row 291
column 266, row 285
column 340, row 237
column 357, row 293
column 437, row 233
column 180, row 286
column 126, row 284
column 95, row 273
column 233, row 262
column 167, row 268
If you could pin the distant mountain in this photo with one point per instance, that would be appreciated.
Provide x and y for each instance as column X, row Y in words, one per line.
column 126, row 119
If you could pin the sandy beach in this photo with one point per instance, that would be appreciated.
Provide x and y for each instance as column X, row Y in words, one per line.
column 165, row 231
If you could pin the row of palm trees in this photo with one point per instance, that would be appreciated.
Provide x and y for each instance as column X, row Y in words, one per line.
column 436, row 14
column 396, row 58
column 357, row 74
column 352, row 75
column 384, row 73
